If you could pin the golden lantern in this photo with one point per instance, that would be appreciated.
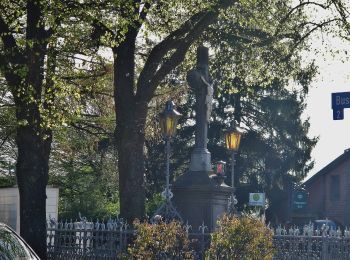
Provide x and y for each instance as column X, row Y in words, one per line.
column 168, row 120
column 233, row 138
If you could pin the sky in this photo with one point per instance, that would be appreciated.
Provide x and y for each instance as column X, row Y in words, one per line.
column 334, row 76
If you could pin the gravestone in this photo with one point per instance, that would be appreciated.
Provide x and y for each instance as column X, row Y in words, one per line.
column 198, row 198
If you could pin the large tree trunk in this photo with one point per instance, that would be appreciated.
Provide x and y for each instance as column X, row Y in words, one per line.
column 33, row 139
column 130, row 131
column 32, row 176
column 130, row 138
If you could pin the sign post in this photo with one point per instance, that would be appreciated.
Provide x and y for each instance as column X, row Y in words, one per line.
column 300, row 197
column 340, row 101
column 257, row 199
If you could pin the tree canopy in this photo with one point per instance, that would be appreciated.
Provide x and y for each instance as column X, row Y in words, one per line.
column 51, row 55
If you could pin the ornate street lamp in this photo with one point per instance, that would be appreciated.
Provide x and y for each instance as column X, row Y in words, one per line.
column 233, row 139
column 168, row 121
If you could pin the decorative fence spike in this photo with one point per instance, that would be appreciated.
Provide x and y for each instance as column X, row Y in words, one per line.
column 187, row 227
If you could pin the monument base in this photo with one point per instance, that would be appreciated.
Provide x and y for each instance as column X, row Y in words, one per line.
column 199, row 199
column 200, row 160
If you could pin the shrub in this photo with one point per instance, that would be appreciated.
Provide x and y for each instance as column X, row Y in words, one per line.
column 160, row 241
column 241, row 238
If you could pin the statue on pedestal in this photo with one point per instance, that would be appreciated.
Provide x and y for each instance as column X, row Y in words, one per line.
column 200, row 82
column 199, row 199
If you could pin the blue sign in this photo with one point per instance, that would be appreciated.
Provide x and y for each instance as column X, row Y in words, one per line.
column 300, row 199
column 340, row 101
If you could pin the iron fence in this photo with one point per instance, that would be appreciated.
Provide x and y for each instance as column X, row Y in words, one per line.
column 89, row 240
column 105, row 241
column 310, row 244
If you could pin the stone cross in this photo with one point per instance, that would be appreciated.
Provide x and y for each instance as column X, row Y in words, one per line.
column 200, row 83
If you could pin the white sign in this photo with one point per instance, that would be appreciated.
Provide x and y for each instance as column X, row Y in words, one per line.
column 257, row 199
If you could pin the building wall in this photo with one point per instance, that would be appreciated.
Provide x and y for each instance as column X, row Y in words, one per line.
column 9, row 206
column 335, row 209
column 316, row 197
column 347, row 198
column 321, row 202
column 9, row 201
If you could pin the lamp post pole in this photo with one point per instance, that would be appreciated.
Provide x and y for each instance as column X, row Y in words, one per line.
column 168, row 122
column 167, row 173
column 232, row 200
column 233, row 138
column 233, row 170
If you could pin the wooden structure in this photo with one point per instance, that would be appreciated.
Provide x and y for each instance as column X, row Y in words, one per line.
column 329, row 191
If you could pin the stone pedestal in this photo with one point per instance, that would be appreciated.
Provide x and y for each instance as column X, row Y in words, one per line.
column 200, row 199
column 200, row 160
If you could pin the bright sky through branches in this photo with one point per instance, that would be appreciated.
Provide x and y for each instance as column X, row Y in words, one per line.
column 334, row 76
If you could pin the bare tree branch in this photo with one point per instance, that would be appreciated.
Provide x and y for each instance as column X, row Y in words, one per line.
column 342, row 12
column 299, row 6
column 306, row 35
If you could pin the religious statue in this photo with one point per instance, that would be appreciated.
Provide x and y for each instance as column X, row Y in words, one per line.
column 201, row 84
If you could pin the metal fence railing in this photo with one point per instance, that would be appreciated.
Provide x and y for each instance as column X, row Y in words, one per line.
column 88, row 240
column 308, row 243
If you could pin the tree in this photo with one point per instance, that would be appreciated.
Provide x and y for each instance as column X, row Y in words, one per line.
column 37, row 65
column 133, row 96
column 149, row 41
column 249, row 68
column 38, row 59
column 131, row 108
column 83, row 161
column 22, row 64
column 82, row 166
column 8, row 155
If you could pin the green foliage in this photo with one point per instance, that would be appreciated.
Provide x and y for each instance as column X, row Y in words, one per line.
column 83, row 159
column 153, row 204
column 7, row 181
column 160, row 241
column 241, row 238
column 84, row 171
column 85, row 191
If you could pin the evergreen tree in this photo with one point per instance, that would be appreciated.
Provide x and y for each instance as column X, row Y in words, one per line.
column 275, row 148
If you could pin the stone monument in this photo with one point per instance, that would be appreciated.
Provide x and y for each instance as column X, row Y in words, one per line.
column 198, row 198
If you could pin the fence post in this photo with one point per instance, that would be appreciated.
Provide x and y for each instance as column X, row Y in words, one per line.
column 324, row 252
column 84, row 241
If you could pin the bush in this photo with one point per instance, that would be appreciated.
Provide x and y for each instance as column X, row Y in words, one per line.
column 241, row 238
column 160, row 241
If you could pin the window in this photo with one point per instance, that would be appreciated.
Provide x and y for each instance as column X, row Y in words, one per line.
column 335, row 188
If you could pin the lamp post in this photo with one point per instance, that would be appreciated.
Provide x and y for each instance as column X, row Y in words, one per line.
column 168, row 121
column 232, row 140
